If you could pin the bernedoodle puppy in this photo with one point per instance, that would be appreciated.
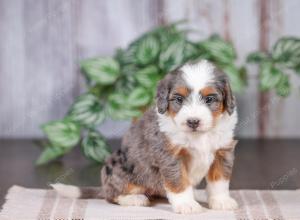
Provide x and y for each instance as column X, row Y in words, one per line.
column 188, row 135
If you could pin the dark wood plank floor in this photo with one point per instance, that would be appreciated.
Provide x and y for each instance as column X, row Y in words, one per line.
column 268, row 164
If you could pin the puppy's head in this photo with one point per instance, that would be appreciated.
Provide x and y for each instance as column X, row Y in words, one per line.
column 195, row 96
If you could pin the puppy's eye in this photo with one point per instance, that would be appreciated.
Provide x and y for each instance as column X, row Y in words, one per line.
column 210, row 99
column 178, row 99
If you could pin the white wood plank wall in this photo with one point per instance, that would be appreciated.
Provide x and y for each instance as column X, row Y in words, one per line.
column 41, row 43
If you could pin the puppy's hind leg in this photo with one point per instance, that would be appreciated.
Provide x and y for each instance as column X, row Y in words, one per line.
column 133, row 195
column 133, row 200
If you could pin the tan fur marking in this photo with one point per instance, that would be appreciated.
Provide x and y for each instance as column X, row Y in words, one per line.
column 184, row 91
column 180, row 152
column 172, row 149
column 208, row 90
column 218, row 170
column 184, row 157
column 171, row 113
column 134, row 189
column 183, row 183
column 219, row 111
column 155, row 192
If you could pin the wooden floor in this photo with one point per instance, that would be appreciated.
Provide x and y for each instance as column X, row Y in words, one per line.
column 268, row 164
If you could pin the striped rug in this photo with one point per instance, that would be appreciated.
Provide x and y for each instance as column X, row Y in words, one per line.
column 38, row 204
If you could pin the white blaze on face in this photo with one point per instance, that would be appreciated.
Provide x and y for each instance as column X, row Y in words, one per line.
column 197, row 76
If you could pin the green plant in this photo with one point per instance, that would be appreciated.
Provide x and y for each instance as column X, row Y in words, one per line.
column 274, row 65
column 122, row 86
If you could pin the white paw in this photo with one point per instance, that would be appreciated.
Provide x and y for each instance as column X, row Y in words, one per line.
column 222, row 203
column 187, row 207
column 133, row 200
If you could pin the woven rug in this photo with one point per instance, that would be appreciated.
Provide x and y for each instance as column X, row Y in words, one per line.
column 31, row 204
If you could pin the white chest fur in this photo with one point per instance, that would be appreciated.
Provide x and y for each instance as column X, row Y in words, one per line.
column 199, row 165
column 202, row 150
column 202, row 147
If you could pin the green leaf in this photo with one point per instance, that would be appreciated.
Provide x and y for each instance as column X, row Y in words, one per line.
column 118, row 108
column 191, row 51
column 139, row 97
column 50, row 153
column 147, row 50
column 283, row 88
column 287, row 52
column 220, row 51
column 236, row 77
column 172, row 56
column 127, row 81
column 169, row 34
column 95, row 147
column 148, row 77
column 117, row 99
column 104, row 71
column 129, row 70
column 269, row 76
column 125, row 57
column 87, row 110
column 243, row 75
column 64, row 133
column 125, row 114
column 257, row 57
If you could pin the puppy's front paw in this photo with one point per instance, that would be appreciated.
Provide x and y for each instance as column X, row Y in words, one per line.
column 222, row 203
column 187, row 207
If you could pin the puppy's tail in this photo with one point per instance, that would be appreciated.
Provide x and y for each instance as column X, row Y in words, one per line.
column 78, row 192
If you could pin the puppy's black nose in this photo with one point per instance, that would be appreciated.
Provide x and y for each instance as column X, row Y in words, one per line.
column 193, row 123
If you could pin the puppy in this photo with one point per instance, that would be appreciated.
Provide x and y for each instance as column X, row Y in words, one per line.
column 187, row 136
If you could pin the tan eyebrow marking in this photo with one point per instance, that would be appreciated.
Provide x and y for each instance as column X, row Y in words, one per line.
column 184, row 91
column 208, row 90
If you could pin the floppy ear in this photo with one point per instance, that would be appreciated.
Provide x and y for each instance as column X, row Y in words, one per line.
column 229, row 101
column 162, row 94
column 224, row 86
